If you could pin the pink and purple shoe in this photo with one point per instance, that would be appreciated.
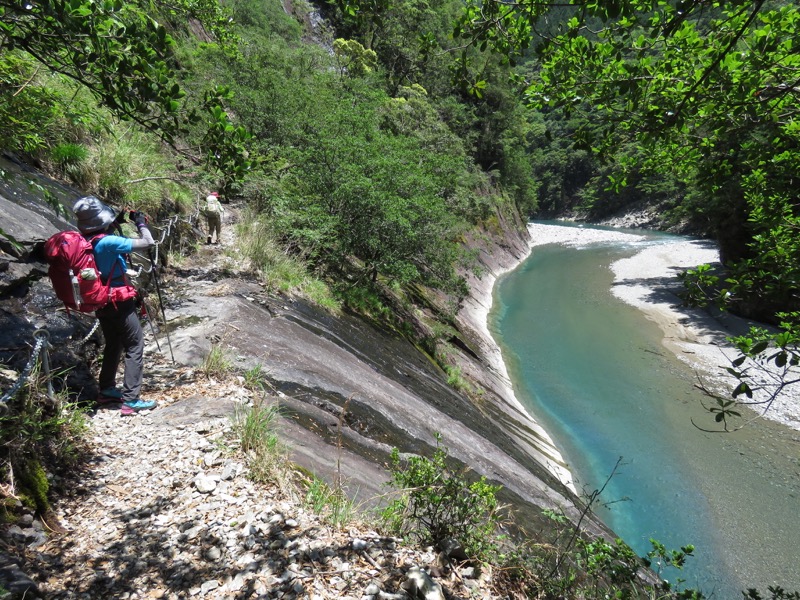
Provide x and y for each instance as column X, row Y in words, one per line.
column 133, row 406
column 109, row 397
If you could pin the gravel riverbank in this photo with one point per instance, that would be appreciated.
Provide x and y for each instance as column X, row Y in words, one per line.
column 648, row 281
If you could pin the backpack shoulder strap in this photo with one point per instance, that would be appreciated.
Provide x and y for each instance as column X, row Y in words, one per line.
column 93, row 240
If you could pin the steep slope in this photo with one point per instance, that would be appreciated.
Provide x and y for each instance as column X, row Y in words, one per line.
column 347, row 386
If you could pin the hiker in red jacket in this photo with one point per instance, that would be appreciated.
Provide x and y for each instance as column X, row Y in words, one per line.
column 119, row 321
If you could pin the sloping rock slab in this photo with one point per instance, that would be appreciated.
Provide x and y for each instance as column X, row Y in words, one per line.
column 354, row 388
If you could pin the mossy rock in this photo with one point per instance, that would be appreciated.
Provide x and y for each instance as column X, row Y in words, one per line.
column 34, row 486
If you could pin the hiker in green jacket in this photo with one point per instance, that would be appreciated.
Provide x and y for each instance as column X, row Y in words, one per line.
column 213, row 211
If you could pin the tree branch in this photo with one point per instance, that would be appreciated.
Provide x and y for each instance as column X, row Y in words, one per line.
column 154, row 178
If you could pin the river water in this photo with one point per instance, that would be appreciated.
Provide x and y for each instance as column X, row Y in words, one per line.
column 596, row 375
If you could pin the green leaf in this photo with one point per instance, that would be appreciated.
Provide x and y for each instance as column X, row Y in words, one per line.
column 742, row 388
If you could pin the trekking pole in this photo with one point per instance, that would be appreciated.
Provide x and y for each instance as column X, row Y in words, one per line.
column 146, row 313
column 144, row 309
column 161, row 302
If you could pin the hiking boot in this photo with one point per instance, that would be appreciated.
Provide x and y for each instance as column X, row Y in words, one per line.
column 134, row 406
column 208, row 240
column 109, row 396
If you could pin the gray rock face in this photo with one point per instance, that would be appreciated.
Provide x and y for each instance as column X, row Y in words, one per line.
column 26, row 215
column 362, row 391
column 27, row 302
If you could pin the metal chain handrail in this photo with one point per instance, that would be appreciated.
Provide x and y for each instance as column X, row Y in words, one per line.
column 164, row 234
column 42, row 338
column 88, row 336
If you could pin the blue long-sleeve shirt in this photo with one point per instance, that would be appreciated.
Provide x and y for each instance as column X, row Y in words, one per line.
column 110, row 250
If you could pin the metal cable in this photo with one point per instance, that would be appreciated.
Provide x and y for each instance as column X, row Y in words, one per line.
column 171, row 222
column 42, row 337
column 91, row 333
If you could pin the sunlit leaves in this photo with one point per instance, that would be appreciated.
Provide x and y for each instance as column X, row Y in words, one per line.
column 370, row 185
column 117, row 52
column 353, row 58
column 440, row 504
column 123, row 56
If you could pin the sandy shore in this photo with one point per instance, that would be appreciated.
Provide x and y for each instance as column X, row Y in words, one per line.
column 648, row 281
column 475, row 312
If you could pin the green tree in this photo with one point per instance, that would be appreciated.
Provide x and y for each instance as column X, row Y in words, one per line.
column 353, row 58
column 124, row 57
column 709, row 90
column 362, row 191
column 410, row 38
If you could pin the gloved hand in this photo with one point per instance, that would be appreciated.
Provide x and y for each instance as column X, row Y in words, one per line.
column 120, row 218
column 139, row 218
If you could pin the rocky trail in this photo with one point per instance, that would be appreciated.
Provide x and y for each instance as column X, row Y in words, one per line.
column 163, row 506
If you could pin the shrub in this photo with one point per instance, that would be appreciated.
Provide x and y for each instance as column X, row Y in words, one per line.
column 455, row 380
column 440, row 506
column 278, row 268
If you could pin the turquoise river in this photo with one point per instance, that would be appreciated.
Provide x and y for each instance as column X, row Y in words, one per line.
column 594, row 372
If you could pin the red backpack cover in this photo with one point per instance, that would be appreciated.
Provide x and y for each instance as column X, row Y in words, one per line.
column 75, row 276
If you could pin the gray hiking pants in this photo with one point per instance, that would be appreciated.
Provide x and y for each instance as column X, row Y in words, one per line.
column 123, row 333
column 214, row 222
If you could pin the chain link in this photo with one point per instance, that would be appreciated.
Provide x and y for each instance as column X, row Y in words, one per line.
column 88, row 336
column 171, row 222
column 42, row 338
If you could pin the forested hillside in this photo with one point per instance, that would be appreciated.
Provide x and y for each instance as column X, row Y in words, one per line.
column 356, row 169
column 367, row 142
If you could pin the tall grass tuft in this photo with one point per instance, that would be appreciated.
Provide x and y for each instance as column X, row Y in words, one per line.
column 279, row 269
column 332, row 504
column 255, row 378
column 132, row 171
column 216, row 363
column 71, row 160
column 256, row 428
